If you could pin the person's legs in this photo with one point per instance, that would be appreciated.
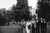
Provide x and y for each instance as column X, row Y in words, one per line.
column 36, row 30
column 45, row 29
column 41, row 29
column 30, row 31
column 33, row 30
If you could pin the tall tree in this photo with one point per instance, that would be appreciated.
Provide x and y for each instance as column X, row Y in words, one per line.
column 2, row 18
column 43, row 9
column 21, row 10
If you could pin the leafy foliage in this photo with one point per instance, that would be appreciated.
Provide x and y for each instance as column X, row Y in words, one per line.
column 43, row 10
column 21, row 10
column 2, row 18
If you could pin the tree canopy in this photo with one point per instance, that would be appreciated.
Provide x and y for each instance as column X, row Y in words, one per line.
column 21, row 10
column 43, row 10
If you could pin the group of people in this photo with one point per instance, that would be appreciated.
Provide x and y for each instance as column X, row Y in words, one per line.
column 41, row 26
column 34, row 26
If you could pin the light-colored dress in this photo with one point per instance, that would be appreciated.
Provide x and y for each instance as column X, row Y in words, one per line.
column 27, row 24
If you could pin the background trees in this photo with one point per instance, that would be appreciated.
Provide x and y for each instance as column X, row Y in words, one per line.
column 9, row 16
column 21, row 10
column 2, row 17
column 43, row 10
column 6, row 16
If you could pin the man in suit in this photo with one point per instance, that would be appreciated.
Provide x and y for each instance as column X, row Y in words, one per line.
column 45, row 26
column 33, row 25
column 33, row 29
column 38, row 26
column 42, row 26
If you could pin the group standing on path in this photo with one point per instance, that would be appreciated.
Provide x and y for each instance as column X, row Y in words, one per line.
column 34, row 26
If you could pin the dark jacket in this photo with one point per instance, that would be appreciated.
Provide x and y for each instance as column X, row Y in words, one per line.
column 32, row 26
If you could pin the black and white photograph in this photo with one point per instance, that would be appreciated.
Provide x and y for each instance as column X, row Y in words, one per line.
column 24, row 16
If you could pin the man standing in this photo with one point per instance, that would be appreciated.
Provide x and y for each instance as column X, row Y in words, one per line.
column 23, row 22
column 45, row 26
column 38, row 26
column 33, row 25
column 33, row 29
column 42, row 26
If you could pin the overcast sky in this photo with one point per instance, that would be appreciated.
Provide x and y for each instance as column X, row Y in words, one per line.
column 8, row 3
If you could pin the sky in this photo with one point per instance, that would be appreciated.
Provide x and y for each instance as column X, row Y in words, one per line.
column 33, row 3
column 8, row 3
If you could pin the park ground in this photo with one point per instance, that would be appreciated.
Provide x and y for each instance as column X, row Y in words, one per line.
column 14, row 29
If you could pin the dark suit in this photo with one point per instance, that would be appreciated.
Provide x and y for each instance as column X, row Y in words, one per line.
column 38, row 26
column 42, row 27
column 33, row 29
column 45, row 27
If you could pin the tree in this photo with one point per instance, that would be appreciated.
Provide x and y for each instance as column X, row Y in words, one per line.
column 9, row 16
column 2, row 18
column 43, row 10
column 21, row 10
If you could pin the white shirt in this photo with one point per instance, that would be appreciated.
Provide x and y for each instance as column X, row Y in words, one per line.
column 28, row 30
column 34, row 23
